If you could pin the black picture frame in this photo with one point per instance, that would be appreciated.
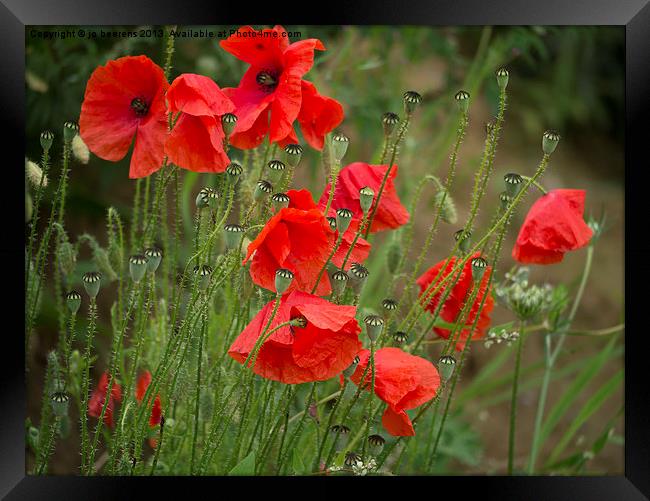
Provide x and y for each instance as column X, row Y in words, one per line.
column 633, row 14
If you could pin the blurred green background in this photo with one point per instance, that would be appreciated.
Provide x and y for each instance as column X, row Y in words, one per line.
column 570, row 79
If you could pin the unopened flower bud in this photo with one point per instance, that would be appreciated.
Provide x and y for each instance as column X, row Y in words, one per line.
column 342, row 431
column 276, row 170
column 479, row 265
column 234, row 170
column 505, row 200
column 283, row 279
column 154, row 256
column 411, row 101
column 80, row 150
column 358, row 275
column 92, row 283
column 366, row 196
column 293, row 154
column 73, row 300
column 394, row 256
column 400, row 337
column 447, row 207
column 280, row 200
column 465, row 239
column 340, row 143
column 343, row 219
column 446, row 366
column 70, row 130
column 549, row 141
column 339, row 280
column 389, row 121
column 374, row 325
column 35, row 174
column 262, row 190
column 137, row 267
column 462, row 99
column 67, row 256
column 502, row 78
column 233, row 234
column 228, row 122
column 203, row 273
column 47, row 138
column 513, row 182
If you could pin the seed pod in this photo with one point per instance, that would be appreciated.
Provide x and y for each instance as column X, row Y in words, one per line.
column 400, row 337
column 47, row 138
column 280, row 200
column 137, row 267
column 446, row 366
column 203, row 198
column 262, row 190
column 73, row 300
column 340, row 143
column 92, row 283
column 283, row 279
column 59, row 402
column 479, row 265
column 233, row 234
column 234, row 170
column 80, row 150
column 448, row 209
column 374, row 325
column 343, row 219
column 154, row 256
column 505, row 199
column 389, row 121
column 376, row 443
column 332, row 221
column 349, row 370
column 513, row 182
column 394, row 256
column 465, row 239
column 389, row 304
column 203, row 273
column 502, row 78
column 293, row 154
column 411, row 101
column 70, row 130
column 343, row 433
column 352, row 458
column 339, row 280
column 276, row 170
column 549, row 141
column 366, row 196
column 228, row 122
column 358, row 275
column 462, row 99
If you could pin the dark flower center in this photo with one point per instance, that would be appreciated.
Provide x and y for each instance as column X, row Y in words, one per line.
column 139, row 106
column 267, row 80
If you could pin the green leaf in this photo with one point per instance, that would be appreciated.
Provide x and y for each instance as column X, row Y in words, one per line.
column 297, row 463
column 246, row 466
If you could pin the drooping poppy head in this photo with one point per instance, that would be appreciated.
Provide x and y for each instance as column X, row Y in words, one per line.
column 320, row 350
column 454, row 301
column 390, row 213
column 141, row 388
column 196, row 142
column 126, row 99
column 98, row 397
column 402, row 380
column 269, row 96
column 554, row 225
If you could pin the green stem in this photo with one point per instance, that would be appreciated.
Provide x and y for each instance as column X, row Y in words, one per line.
column 513, row 401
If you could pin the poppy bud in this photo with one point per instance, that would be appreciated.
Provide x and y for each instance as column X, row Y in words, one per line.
column 502, row 78
column 80, row 150
column 464, row 237
column 374, row 325
column 549, row 141
column 339, row 280
column 73, row 300
column 343, row 219
column 92, row 282
column 293, row 154
column 283, row 279
column 347, row 372
column 280, row 200
column 389, row 121
column 154, row 256
column 332, row 221
column 137, row 267
column 462, row 99
column 276, row 168
column 203, row 273
column 411, row 101
column 67, row 257
column 262, row 190
column 446, row 366
column 366, row 196
column 340, row 143
column 513, row 183
column 59, row 402
column 352, row 458
column 394, row 256
column 400, row 337
column 479, row 265
column 448, row 209
column 203, row 198
column 47, row 138
column 358, row 275
column 29, row 208
column 33, row 436
column 389, row 304
column 505, row 199
column 376, row 443
column 35, row 174
column 75, row 362
column 233, row 234
column 234, row 170
column 228, row 122
column 70, row 130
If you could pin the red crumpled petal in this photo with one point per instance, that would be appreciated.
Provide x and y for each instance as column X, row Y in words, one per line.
column 260, row 51
column 199, row 96
column 191, row 144
column 319, row 115
column 397, row 423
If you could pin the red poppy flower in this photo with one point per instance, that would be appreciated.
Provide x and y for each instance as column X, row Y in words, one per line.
column 403, row 381
column 390, row 213
column 123, row 100
column 141, row 388
column 196, row 142
column 269, row 97
column 293, row 355
column 98, row 397
column 460, row 293
column 554, row 225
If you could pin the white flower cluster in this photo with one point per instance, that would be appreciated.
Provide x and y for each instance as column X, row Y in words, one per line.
column 524, row 300
column 359, row 468
column 503, row 336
